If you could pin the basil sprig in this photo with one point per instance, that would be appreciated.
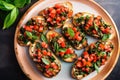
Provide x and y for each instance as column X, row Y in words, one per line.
column 12, row 8
column 71, row 32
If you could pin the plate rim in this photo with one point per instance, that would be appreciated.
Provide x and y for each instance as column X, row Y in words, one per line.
column 40, row 1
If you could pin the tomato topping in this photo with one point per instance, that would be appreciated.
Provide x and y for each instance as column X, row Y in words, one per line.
column 54, row 65
column 27, row 28
column 84, row 62
column 61, row 53
column 63, row 18
column 79, row 64
column 58, row 6
column 80, row 58
column 63, row 44
column 44, row 45
column 44, row 52
column 99, row 17
column 41, row 29
column 69, row 51
column 49, row 54
column 79, row 38
column 49, row 19
column 49, row 72
column 58, row 19
column 88, row 64
column 102, row 46
column 94, row 31
column 70, row 13
column 107, row 30
column 36, row 27
column 47, row 66
column 74, row 29
column 86, row 55
column 58, row 11
column 52, row 35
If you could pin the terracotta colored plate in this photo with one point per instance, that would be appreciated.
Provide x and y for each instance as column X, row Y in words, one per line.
column 27, row 64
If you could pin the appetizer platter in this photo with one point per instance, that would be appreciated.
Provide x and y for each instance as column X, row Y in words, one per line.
column 71, row 40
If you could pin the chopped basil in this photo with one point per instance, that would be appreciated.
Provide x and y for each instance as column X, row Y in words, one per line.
column 37, row 45
column 105, row 37
column 96, row 67
column 56, row 46
column 29, row 22
column 95, row 26
column 63, row 14
column 70, row 32
column 43, row 38
column 87, row 17
column 52, row 59
column 30, row 35
column 45, row 61
column 67, row 56
column 80, row 19
column 62, row 49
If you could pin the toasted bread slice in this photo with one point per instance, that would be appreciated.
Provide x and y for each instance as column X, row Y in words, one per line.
column 31, row 31
column 56, row 15
column 65, row 51
column 94, row 56
column 47, row 64
column 78, row 41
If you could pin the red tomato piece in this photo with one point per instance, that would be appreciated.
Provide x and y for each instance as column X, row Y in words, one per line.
column 27, row 28
column 44, row 45
column 69, row 51
column 61, row 53
column 86, row 55
column 47, row 66
column 44, row 52
column 41, row 29
column 58, row 6
column 79, row 64
column 54, row 65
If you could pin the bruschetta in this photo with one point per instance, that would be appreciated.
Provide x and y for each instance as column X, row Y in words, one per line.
column 31, row 31
column 93, row 25
column 60, row 47
column 74, row 35
column 45, row 61
column 94, row 56
column 56, row 16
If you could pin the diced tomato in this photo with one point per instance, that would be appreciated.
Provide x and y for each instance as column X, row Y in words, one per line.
column 86, row 27
column 63, row 18
column 80, row 58
column 38, row 60
column 107, row 30
column 94, row 31
column 41, row 29
column 70, row 13
column 60, row 40
column 87, row 69
column 49, row 19
column 52, row 35
column 76, row 35
column 90, row 21
column 79, row 64
column 66, row 34
column 102, row 46
column 31, row 26
column 49, row 72
column 84, row 62
column 63, row 44
column 74, row 29
column 99, row 17
column 47, row 66
column 49, row 54
column 103, row 61
column 50, row 9
column 34, row 55
column 79, row 38
column 27, row 28
column 58, row 6
column 61, row 53
column 69, row 51
column 54, row 65
column 58, row 19
column 58, row 11
column 86, row 55
column 44, row 52
column 44, row 45
column 36, row 27
column 83, row 69
column 45, row 11
column 92, row 45
column 88, row 64
column 52, row 13
column 39, row 55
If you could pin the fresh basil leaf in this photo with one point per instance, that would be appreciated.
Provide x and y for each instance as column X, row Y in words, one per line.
column 105, row 37
column 43, row 38
column 31, row 36
column 45, row 61
column 10, row 18
column 62, row 49
column 19, row 3
column 95, row 26
column 80, row 19
column 67, row 56
column 96, row 67
column 6, row 6
column 56, row 46
column 28, row 1
column 71, row 32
